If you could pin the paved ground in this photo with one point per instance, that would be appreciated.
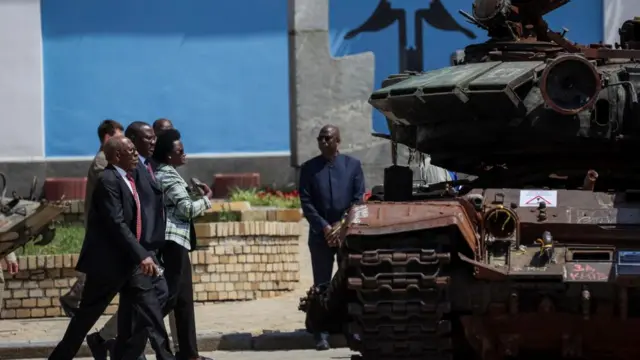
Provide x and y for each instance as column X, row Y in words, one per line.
column 277, row 314
column 271, row 355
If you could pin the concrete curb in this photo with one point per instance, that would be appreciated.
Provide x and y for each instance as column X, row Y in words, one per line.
column 266, row 341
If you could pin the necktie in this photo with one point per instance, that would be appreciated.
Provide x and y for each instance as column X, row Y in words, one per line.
column 148, row 166
column 138, row 211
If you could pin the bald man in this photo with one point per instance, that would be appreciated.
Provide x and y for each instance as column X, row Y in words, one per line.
column 107, row 129
column 330, row 184
column 116, row 259
column 144, row 140
column 161, row 125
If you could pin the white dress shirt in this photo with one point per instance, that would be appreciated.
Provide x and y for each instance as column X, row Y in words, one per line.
column 126, row 181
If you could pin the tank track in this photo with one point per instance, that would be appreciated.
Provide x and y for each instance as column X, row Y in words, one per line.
column 399, row 303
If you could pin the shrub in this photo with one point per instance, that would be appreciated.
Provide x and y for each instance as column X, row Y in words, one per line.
column 267, row 197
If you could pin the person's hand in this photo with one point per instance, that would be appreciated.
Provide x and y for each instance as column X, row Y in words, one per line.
column 12, row 267
column 148, row 267
column 205, row 189
column 327, row 232
column 333, row 236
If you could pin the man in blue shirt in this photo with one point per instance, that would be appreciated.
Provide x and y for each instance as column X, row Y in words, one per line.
column 329, row 184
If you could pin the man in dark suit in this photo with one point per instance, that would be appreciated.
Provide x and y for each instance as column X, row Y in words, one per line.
column 143, row 138
column 330, row 184
column 118, row 258
column 107, row 129
column 99, row 341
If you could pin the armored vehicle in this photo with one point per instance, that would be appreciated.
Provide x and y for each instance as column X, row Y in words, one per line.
column 25, row 219
column 539, row 254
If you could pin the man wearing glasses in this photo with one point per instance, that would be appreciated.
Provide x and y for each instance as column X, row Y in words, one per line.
column 330, row 184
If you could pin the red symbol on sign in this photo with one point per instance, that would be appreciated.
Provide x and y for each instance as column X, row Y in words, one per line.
column 538, row 199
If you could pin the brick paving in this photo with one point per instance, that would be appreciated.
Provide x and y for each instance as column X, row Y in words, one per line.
column 256, row 316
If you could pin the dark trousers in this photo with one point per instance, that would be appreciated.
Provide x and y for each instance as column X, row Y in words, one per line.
column 140, row 318
column 322, row 259
column 175, row 259
column 96, row 296
column 74, row 295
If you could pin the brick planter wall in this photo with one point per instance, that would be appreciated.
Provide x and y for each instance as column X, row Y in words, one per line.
column 234, row 261
column 35, row 289
column 245, row 260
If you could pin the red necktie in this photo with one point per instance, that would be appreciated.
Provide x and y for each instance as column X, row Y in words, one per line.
column 138, row 212
column 146, row 163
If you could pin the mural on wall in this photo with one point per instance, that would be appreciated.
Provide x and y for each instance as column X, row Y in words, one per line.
column 218, row 71
column 410, row 57
column 421, row 35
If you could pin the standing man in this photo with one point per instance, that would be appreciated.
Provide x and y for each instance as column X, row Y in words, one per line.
column 117, row 258
column 161, row 125
column 330, row 184
column 107, row 129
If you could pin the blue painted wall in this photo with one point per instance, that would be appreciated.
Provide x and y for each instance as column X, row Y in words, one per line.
column 583, row 18
column 219, row 69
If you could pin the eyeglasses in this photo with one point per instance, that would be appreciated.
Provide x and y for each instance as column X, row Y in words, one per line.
column 325, row 138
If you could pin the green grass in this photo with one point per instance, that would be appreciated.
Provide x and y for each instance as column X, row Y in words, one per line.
column 69, row 237
column 68, row 240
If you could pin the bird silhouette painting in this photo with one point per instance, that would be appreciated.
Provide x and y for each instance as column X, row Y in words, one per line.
column 385, row 15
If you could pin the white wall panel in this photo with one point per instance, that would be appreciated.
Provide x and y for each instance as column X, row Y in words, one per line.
column 21, row 95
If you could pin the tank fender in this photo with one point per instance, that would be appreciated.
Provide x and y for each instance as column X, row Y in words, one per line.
column 378, row 218
column 483, row 271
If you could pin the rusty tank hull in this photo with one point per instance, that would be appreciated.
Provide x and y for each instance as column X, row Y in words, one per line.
column 579, row 302
column 411, row 284
column 537, row 253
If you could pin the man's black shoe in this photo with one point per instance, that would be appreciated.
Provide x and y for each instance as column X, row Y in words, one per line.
column 322, row 341
column 68, row 310
column 97, row 346
column 322, row 345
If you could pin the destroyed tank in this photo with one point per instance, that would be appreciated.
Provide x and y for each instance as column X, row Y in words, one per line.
column 25, row 219
column 538, row 252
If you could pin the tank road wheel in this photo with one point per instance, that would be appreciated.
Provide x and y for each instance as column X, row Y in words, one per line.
column 400, row 304
column 325, row 306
